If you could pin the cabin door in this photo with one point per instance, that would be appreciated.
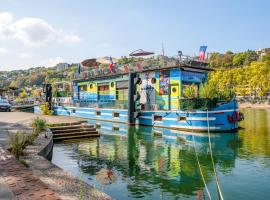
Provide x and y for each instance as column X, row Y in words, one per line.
column 174, row 96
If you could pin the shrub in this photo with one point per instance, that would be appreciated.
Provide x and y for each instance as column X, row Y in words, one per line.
column 38, row 126
column 45, row 109
column 208, row 91
column 189, row 91
column 18, row 142
column 198, row 104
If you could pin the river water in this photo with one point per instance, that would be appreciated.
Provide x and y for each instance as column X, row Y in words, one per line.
column 142, row 162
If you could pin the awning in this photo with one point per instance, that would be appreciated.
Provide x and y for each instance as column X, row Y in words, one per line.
column 103, row 84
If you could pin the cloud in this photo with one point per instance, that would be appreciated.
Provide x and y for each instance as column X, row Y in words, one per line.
column 51, row 62
column 3, row 51
column 33, row 31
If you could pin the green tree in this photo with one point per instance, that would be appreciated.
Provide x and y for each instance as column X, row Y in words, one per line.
column 239, row 59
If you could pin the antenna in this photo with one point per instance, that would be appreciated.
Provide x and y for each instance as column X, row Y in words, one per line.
column 162, row 49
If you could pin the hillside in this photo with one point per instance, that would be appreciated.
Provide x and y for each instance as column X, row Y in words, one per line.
column 246, row 73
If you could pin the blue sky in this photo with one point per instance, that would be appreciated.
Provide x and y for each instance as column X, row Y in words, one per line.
column 34, row 33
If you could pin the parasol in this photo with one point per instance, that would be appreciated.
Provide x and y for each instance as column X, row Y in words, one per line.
column 90, row 62
column 141, row 52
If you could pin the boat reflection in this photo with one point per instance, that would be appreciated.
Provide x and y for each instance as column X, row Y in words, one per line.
column 146, row 161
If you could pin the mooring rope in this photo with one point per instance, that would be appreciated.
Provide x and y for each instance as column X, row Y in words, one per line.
column 212, row 159
column 197, row 158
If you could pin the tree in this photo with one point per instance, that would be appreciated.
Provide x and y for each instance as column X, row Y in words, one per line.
column 251, row 56
column 239, row 59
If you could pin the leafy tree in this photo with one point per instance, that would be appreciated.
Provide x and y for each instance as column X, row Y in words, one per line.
column 239, row 59
column 251, row 56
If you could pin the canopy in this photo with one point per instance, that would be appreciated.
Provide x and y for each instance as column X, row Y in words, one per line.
column 141, row 52
column 90, row 62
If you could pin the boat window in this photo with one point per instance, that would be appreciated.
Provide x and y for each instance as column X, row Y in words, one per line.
column 103, row 91
column 157, row 118
column 122, row 94
column 98, row 113
column 98, row 125
column 115, row 128
column 115, row 114
column 181, row 118
column 83, row 88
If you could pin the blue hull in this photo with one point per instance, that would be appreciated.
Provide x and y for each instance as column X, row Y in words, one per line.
column 216, row 119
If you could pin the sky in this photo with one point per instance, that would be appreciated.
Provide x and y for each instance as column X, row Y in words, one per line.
column 43, row 33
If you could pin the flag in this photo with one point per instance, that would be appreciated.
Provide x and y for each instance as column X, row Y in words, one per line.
column 111, row 65
column 202, row 53
column 79, row 68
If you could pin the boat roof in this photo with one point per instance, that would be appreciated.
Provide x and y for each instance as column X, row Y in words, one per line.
column 192, row 66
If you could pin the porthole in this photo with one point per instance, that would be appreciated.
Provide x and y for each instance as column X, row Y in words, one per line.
column 112, row 84
column 174, row 90
column 153, row 80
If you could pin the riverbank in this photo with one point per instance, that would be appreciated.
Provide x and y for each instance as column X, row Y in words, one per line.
column 45, row 176
column 64, row 184
column 255, row 105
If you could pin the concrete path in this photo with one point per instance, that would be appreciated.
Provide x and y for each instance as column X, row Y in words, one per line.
column 9, row 178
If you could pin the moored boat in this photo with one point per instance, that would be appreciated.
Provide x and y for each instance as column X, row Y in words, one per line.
column 152, row 95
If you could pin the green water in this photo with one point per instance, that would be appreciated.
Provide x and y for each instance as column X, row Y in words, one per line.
column 132, row 163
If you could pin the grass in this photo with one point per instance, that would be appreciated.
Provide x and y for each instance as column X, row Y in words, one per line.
column 38, row 125
column 24, row 163
column 20, row 140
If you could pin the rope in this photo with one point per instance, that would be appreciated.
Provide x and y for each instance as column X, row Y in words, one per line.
column 208, row 193
column 212, row 159
column 197, row 158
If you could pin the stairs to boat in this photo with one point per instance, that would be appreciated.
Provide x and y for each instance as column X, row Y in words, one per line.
column 74, row 131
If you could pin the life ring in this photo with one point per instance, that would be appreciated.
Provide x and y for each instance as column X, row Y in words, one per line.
column 233, row 118
column 229, row 118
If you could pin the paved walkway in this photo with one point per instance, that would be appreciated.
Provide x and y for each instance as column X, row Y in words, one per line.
column 17, row 181
column 21, row 181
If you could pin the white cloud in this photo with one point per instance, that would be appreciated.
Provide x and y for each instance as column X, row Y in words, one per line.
column 32, row 31
column 5, row 18
column 52, row 62
column 3, row 51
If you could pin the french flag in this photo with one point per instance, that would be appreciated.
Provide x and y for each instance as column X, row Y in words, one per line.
column 111, row 65
column 202, row 53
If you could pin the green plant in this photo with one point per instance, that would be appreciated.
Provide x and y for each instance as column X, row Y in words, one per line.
column 208, row 91
column 23, row 162
column 18, row 141
column 38, row 126
column 189, row 91
column 45, row 109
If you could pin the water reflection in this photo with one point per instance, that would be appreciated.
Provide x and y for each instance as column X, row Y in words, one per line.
column 151, row 163
column 136, row 162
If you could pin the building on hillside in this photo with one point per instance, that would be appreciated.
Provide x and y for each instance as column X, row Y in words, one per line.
column 263, row 52
column 62, row 66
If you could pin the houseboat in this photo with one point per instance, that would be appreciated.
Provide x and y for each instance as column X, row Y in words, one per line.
column 151, row 95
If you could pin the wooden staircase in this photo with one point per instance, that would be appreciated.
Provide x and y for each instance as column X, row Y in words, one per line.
column 74, row 131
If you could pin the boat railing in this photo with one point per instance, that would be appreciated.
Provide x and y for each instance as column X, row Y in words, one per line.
column 126, row 65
